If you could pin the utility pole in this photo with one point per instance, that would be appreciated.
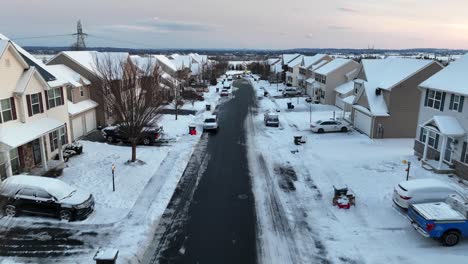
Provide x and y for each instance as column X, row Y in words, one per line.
column 80, row 37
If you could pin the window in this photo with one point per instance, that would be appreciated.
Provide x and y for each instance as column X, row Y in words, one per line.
column 433, row 140
column 81, row 91
column 69, row 94
column 322, row 93
column 290, row 69
column 26, row 192
column 35, row 104
column 435, row 99
column 14, row 161
column 55, row 136
column 6, row 110
column 54, row 97
column 456, row 103
column 43, row 194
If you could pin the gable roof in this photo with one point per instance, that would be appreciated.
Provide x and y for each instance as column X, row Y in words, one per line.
column 3, row 46
column 69, row 75
column 345, row 87
column 333, row 65
column 447, row 125
column 389, row 72
column 166, row 61
column 295, row 61
column 453, row 78
column 289, row 57
column 308, row 61
column 26, row 78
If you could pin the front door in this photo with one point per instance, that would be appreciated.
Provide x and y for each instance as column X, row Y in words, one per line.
column 37, row 151
column 448, row 150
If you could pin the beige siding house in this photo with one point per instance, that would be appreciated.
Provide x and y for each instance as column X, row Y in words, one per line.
column 332, row 75
column 441, row 133
column 386, row 103
column 307, row 67
column 33, row 113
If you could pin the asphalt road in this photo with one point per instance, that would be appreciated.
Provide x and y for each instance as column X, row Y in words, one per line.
column 215, row 222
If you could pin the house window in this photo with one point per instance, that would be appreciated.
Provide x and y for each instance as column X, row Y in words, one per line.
column 81, row 91
column 434, row 99
column 35, row 104
column 290, row 69
column 14, row 161
column 55, row 136
column 456, row 103
column 433, row 139
column 6, row 110
column 69, row 94
column 322, row 93
column 54, row 97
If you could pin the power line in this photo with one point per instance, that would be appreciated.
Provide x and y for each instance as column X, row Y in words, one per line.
column 45, row 36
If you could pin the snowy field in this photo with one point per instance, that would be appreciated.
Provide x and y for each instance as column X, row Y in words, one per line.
column 294, row 188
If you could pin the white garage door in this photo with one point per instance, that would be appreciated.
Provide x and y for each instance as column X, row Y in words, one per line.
column 362, row 122
column 90, row 121
column 77, row 126
column 339, row 102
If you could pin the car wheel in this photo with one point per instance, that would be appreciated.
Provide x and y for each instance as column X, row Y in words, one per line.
column 320, row 130
column 450, row 238
column 344, row 129
column 65, row 215
column 146, row 142
column 110, row 139
column 10, row 210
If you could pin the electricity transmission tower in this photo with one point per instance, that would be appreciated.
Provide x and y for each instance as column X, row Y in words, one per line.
column 80, row 38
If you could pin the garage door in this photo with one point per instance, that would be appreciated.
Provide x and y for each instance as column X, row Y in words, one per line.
column 77, row 126
column 339, row 102
column 362, row 122
column 90, row 121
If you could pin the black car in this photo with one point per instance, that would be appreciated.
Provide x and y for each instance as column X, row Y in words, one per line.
column 44, row 196
column 150, row 135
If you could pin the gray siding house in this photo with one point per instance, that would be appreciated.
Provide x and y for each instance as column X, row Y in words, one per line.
column 441, row 138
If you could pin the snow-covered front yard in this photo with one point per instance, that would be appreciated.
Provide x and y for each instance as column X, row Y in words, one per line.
column 293, row 186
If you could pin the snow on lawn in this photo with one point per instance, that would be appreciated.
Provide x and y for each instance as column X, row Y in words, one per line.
column 91, row 171
column 297, row 181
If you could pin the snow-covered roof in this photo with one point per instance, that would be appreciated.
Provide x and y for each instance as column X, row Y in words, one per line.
column 166, row 61
column 273, row 61
column 24, row 80
column 69, row 75
column 345, row 87
column 19, row 133
column 295, row 61
column 377, row 104
column 453, row 78
column 389, row 72
column 182, row 61
column 289, row 57
column 3, row 46
column 57, row 188
column 333, row 65
column 88, row 59
column 83, row 106
column 349, row 99
column 448, row 125
column 319, row 64
column 144, row 63
column 312, row 60
column 310, row 80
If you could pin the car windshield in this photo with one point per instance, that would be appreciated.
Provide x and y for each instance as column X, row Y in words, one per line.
column 210, row 120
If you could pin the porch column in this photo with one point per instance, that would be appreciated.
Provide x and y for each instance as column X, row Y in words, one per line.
column 442, row 151
column 43, row 153
column 60, row 149
column 9, row 170
column 424, row 157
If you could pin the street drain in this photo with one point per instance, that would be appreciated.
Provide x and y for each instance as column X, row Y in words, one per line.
column 242, row 196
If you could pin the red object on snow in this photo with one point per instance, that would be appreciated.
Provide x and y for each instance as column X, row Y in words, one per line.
column 192, row 130
column 343, row 202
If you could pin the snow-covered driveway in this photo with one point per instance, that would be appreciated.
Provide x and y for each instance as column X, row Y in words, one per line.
column 293, row 187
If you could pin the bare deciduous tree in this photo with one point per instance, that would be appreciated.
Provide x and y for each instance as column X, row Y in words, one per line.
column 132, row 94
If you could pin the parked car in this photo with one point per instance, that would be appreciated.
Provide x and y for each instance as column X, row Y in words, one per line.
column 191, row 94
column 330, row 126
column 210, row 123
column 227, row 85
column 271, row 119
column 421, row 191
column 150, row 135
column 291, row 91
column 230, row 78
column 224, row 92
column 44, row 196
column 445, row 221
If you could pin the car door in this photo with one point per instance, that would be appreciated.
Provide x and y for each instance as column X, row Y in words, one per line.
column 46, row 204
column 326, row 126
column 24, row 200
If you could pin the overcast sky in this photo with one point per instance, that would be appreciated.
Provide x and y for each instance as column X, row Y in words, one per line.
column 241, row 23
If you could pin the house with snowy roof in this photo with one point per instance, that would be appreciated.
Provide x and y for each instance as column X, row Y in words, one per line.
column 387, row 97
column 331, row 75
column 293, row 71
column 87, row 64
column 442, row 125
column 285, row 60
column 34, row 123
column 308, row 65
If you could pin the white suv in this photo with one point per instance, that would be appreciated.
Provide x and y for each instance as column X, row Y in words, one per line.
column 291, row 91
column 210, row 123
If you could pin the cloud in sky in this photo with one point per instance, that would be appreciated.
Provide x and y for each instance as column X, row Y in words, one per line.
column 159, row 25
column 335, row 27
column 346, row 9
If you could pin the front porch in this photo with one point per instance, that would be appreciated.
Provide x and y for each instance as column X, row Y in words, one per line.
column 437, row 143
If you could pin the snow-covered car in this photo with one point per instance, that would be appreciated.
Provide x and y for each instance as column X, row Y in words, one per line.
column 271, row 119
column 224, row 92
column 210, row 123
column 291, row 91
column 329, row 126
column 421, row 191
column 44, row 196
column 226, row 85
column 150, row 135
